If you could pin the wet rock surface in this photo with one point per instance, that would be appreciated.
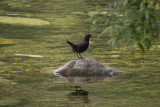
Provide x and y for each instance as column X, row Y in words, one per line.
column 86, row 67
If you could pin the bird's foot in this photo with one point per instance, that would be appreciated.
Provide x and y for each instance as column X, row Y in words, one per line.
column 79, row 58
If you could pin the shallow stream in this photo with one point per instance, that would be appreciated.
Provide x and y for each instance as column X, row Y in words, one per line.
column 33, row 36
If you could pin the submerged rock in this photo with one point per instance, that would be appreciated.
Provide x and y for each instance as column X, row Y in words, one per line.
column 85, row 67
column 4, row 42
column 23, row 21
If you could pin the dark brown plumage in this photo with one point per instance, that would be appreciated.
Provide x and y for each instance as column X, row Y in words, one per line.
column 80, row 47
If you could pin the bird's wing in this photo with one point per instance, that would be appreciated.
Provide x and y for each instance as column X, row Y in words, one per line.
column 81, row 46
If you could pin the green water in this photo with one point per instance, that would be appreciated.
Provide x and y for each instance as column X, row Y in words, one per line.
column 41, row 27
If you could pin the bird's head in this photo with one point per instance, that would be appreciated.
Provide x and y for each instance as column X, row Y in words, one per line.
column 87, row 37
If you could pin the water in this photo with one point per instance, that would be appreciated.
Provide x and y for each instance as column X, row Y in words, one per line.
column 33, row 43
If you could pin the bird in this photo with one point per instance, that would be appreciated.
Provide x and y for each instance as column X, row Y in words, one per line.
column 80, row 47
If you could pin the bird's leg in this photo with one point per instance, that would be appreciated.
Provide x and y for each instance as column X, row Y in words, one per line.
column 77, row 55
column 80, row 56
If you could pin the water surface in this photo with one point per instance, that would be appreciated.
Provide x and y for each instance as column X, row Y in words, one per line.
column 33, row 43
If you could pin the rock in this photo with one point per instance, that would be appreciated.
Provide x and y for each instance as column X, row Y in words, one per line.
column 85, row 67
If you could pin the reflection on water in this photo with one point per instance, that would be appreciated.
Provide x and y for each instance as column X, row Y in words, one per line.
column 83, row 79
column 79, row 94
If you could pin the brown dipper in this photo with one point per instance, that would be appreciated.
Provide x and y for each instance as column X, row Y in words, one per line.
column 80, row 47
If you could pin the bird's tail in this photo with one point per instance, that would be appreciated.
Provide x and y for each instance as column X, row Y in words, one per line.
column 71, row 44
